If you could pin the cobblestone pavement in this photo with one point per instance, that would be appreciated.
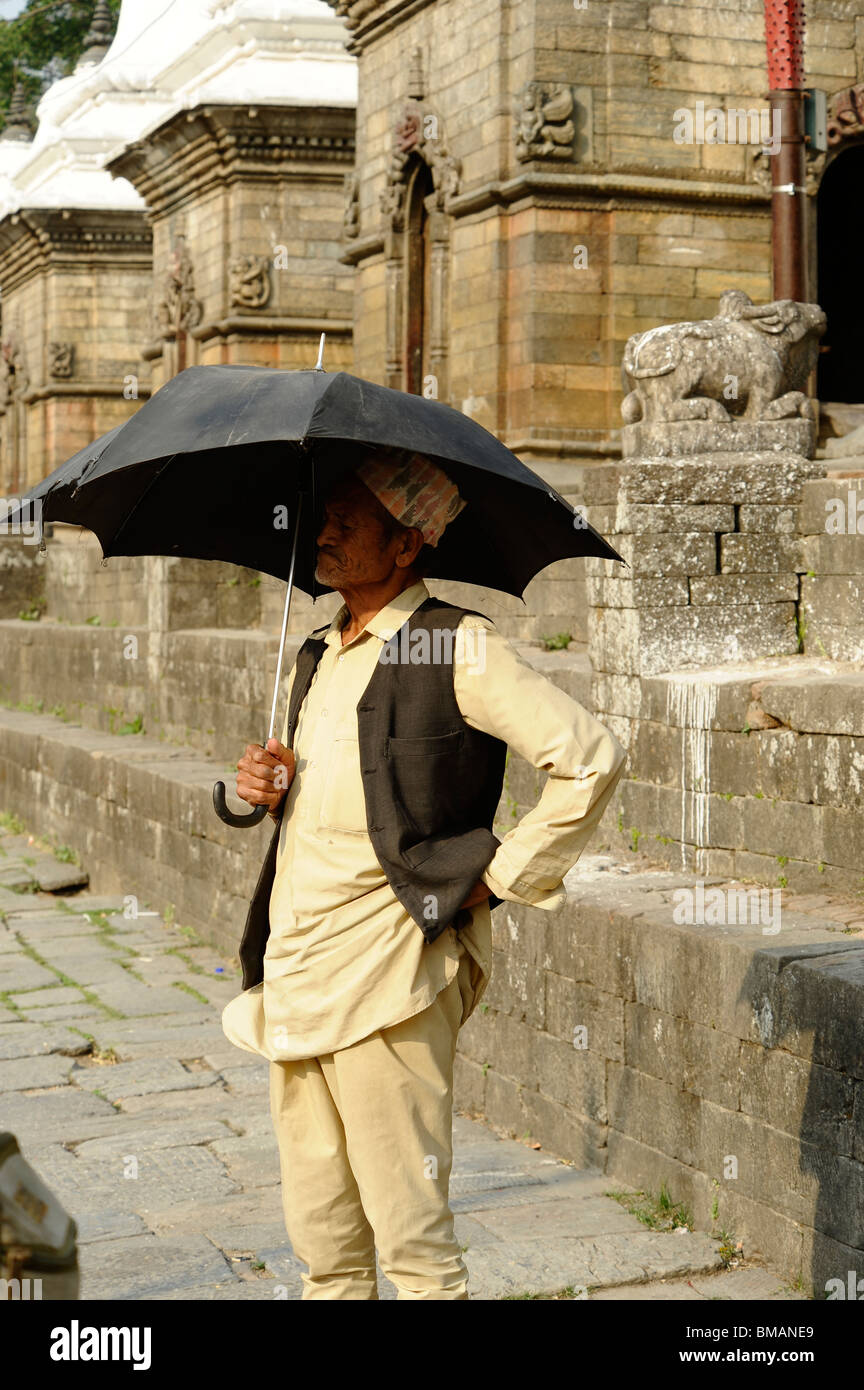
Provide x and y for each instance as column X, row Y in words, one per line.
column 155, row 1132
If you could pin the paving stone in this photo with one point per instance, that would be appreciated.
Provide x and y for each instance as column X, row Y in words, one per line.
column 547, row 1266
column 252, row 1159
column 247, row 1081
column 144, row 1266
column 253, row 1238
column 139, row 933
column 31, row 1073
column 229, row 1057
column 754, row 1283
column 96, row 969
column 40, row 998
column 31, row 1040
column 130, row 997
column 240, row 1209
column 161, row 1037
column 134, row 1181
column 16, row 844
column 21, row 972
column 141, row 1140
column 70, row 1114
column 17, row 902
column 141, row 1077
column 511, row 1194
column 9, row 943
column 105, row 1224
column 235, row 1290
column 93, row 902
column 145, row 946
column 15, row 877
column 243, row 1112
column 64, row 1013
column 589, row 1216
column 167, row 971
column 52, row 875
column 734, row 1285
column 283, row 1265
column 470, row 1233
column 675, row 1291
column 35, row 929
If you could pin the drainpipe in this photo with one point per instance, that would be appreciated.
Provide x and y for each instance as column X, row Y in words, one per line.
column 784, row 38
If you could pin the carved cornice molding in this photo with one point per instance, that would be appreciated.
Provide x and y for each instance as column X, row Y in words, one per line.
column 285, row 325
column 610, row 190
column 367, row 19
column 193, row 151
column 33, row 240
column 91, row 389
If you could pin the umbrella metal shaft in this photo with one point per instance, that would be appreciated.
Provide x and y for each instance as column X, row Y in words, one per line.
column 285, row 615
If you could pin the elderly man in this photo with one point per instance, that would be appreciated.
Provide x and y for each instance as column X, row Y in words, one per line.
column 375, row 901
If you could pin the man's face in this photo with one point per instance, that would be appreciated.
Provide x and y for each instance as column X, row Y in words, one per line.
column 352, row 544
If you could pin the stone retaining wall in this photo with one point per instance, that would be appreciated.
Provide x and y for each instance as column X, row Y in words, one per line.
column 721, row 1062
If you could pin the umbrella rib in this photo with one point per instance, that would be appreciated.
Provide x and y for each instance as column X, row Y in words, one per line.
column 125, row 522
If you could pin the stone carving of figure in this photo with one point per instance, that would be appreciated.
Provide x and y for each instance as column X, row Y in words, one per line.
column 544, row 129
column 61, row 359
column 178, row 310
column 249, row 281
column 351, row 216
column 14, row 378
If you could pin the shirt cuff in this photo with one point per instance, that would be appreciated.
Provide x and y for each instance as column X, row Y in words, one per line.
column 519, row 891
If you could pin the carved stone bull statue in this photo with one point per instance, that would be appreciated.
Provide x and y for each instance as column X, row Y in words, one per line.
column 750, row 362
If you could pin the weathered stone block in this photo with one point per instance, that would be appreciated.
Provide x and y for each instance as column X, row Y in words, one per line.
column 639, row 518
column 699, row 1060
column 760, row 554
column 766, row 517
column 730, row 478
column 669, row 592
column 744, row 588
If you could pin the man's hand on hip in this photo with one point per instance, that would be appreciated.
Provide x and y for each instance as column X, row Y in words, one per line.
column 265, row 774
column 477, row 894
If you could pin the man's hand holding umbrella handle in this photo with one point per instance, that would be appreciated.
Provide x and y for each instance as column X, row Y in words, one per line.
column 265, row 774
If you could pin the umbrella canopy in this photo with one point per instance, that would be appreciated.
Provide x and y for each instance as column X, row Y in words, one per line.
column 212, row 466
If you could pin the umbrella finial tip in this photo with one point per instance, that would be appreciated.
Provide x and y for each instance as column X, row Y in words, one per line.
column 319, row 365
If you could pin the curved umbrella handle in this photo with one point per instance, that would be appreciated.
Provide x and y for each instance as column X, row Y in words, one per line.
column 253, row 817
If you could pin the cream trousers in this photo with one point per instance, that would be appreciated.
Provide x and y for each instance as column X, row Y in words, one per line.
column 365, row 1143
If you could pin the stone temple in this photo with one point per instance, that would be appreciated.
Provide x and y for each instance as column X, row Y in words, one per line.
column 557, row 218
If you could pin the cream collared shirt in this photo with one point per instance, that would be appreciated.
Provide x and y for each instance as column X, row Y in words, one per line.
column 344, row 958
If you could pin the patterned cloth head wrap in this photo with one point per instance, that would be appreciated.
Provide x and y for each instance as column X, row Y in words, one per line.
column 415, row 491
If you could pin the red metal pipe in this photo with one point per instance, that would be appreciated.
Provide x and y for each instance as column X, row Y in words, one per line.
column 784, row 39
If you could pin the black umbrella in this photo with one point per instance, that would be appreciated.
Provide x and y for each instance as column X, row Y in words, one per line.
column 228, row 462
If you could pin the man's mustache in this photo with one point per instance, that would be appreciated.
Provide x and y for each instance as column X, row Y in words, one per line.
column 327, row 550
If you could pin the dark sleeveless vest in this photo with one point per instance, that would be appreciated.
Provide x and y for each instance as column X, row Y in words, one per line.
column 431, row 783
